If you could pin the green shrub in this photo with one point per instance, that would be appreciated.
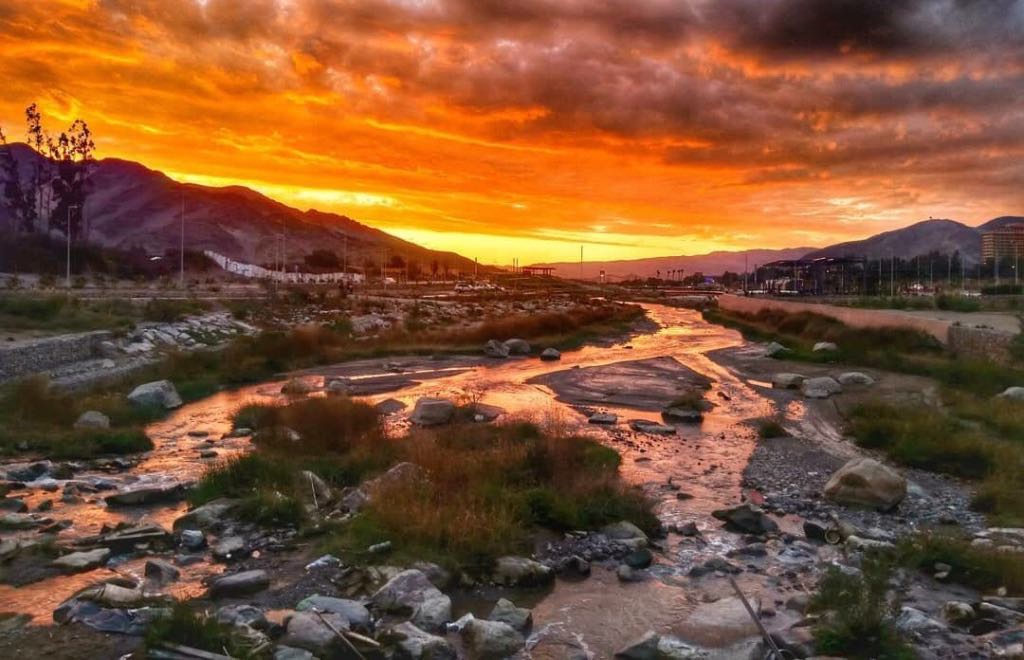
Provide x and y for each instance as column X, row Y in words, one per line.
column 977, row 566
column 858, row 614
column 185, row 627
column 243, row 477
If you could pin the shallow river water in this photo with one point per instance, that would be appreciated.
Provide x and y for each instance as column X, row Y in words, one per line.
column 599, row 613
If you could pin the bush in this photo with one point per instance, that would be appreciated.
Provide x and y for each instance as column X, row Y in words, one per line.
column 957, row 303
column 243, row 477
column 977, row 566
column 858, row 614
column 769, row 428
column 187, row 628
column 330, row 425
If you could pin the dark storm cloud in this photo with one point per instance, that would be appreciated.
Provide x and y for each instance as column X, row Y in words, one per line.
column 883, row 28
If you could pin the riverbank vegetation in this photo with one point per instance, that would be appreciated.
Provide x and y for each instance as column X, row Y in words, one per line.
column 65, row 313
column 973, row 435
column 36, row 418
column 476, row 492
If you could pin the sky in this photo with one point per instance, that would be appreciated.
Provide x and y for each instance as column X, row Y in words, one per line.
column 529, row 128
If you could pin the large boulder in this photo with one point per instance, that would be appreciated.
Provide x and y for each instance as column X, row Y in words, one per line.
column 517, row 346
column 652, row 646
column 491, row 640
column 521, row 572
column 746, row 518
column 825, row 347
column 432, row 412
column 775, row 349
column 92, row 419
column 626, row 533
column 411, row 594
column 820, row 388
column 496, row 349
column 157, row 394
column 866, row 482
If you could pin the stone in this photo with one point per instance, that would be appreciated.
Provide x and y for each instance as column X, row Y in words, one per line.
column 670, row 648
column 638, row 559
column 170, row 492
column 627, row 573
column 684, row 415
column 127, row 539
column 156, row 394
column 229, row 548
column 815, row 531
column 208, row 453
column 714, row 565
column 305, row 630
column 723, row 621
column 430, row 411
column 491, row 640
column 746, row 518
column 354, row 612
column 13, row 505
column 506, row 611
column 282, row 652
column 78, row 562
column 206, row 516
column 868, row 483
column 821, row 387
column 603, row 418
column 958, row 613
column 411, row 643
column 550, row 354
column 1015, row 393
column 239, row 584
column 913, row 621
column 825, row 347
column 655, row 428
column 644, row 647
column 855, row 378
column 775, row 349
column 161, row 571
column 688, row 529
column 243, row 615
column 410, row 593
column 313, row 484
column 626, row 533
column 521, row 572
column 390, row 406
column 496, row 349
column 517, row 346
column 92, row 419
column 296, row 386
column 854, row 542
column 798, row 602
column 787, row 381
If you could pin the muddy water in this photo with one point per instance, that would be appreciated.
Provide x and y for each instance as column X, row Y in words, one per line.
column 705, row 460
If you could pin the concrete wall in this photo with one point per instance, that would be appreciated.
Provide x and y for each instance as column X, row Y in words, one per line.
column 31, row 356
column 851, row 316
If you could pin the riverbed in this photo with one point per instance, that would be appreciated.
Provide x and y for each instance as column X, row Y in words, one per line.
column 703, row 461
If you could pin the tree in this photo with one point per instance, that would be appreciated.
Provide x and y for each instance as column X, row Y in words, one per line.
column 433, row 268
column 72, row 153
column 397, row 261
column 36, row 139
column 18, row 204
column 322, row 259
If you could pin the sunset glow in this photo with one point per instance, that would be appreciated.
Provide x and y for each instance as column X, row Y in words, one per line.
column 499, row 129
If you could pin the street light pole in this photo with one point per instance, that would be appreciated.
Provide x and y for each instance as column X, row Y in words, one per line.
column 181, row 255
column 68, row 233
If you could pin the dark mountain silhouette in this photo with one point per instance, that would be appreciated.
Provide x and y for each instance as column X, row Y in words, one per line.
column 132, row 206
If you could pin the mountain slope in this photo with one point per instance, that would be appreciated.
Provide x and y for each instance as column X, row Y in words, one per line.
column 714, row 263
column 944, row 236
column 134, row 206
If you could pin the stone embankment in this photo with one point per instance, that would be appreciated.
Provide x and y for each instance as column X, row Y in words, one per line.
column 78, row 360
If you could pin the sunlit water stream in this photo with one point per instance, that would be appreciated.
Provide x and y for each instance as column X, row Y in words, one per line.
column 706, row 460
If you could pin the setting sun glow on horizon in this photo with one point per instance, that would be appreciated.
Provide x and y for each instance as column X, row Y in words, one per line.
column 527, row 129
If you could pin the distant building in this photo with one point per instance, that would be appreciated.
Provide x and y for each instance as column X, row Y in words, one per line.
column 1004, row 242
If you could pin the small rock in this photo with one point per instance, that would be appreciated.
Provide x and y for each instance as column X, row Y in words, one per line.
column 161, row 571
column 156, row 394
column 92, row 419
column 550, row 354
column 229, row 548
column 432, row 412
column 239, row 584
column 77, row 562
column 491, row 640
column 603, row 418
column 747, row 518
column 521, row 572
column 506, row 611
column 825, row 347
column 866, row 482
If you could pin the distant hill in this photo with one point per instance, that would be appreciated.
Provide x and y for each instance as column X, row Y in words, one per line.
column 714, row 263
column 134, row 206
column 944, row 236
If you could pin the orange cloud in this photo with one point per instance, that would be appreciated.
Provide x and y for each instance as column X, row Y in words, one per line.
column 638, row 127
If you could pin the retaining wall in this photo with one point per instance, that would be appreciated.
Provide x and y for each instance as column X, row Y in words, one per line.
column 31, row 356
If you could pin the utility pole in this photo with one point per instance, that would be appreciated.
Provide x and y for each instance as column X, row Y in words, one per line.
column 581, row 263
column 344, row 262
column 181, row 247
column 892, row 275
column 68, row 232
